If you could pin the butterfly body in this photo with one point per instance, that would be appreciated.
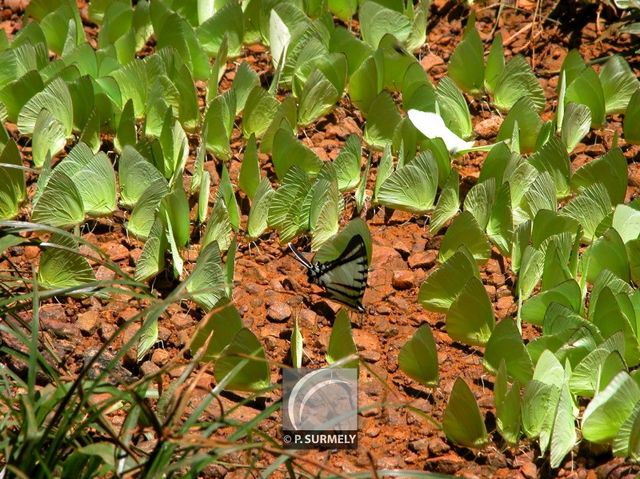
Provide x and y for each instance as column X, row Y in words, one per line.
column 344, row 278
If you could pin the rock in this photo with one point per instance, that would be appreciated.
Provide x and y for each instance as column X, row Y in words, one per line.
column 181, row 320
column 529, row 470
column 437, row 447
column 431, row 60
column 52, row 312
column 487, row 129
column 370, row 356
column 60, row 329
column 596, row 149
column 385, row 255
column 505, row 302
column 276, row 285
column 164, row 334
column 503, row 291
column 403, row 279
column 373, row 431
column 307, row 318
column 116, row 251
column 491, row 291
column 31, row 252
column 384, row 310
column 399, row 303
column 402, row 248
column 87, row 322
column 104, row 274
column 160, row 357
column 423, row 259
column 148, row 368
column 135, row 255
column 278, row 312
column 493, row 266
column 106, row 331
column 420, row 446
column 634, row 175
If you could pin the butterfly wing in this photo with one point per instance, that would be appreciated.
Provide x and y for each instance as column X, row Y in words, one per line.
column 345, row 278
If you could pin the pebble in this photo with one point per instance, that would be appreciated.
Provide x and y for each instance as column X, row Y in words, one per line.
column 160, row 357
column 116, row 251
column 403, row 279
column 420, row 446
column 503, row 291
column 148, row 368
column 634, row 174
column 488, row 128
column 164, row 333
column 384, row 310
column 307, row 318
column 402, row 248
column 423, row 259
column 437, row 447
column 504, row 302
column 52, row 311
column 529, row 470
column 181, row 320
column 87, row 322
column 106, row 331
column 431, row 60
column 278, row 312
column 373, row 431
column 31, row 252
column 491, row 291
column 60, row 329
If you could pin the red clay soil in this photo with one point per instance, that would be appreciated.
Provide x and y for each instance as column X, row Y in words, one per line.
column 271, row 288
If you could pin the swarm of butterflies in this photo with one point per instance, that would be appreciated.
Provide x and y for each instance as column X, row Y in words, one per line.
column 341, row 265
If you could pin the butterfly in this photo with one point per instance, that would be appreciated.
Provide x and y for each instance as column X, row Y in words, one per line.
column 344, row 278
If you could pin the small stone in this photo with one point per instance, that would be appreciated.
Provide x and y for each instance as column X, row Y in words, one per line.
column 278, row 312
column 488, row 128
column 183, row 337
column 263, row 259
column 402, row 248
column 116, row 251
column 529, row 470
column 181, row 320
column 431, row 60
column 423, row 259
column 60, row 329
column 160, row 357
column 276, row 285
column 384, row 310
column 491, row 291
column 31, row 252
column 403, row 279
column 87, row 322
column 370, row 356
column 148, row 368
column 164, row 333
column 596, row 149
column 373, row 431
column 437, row 447
column 503, row 291
column 52, row 311
column 420, row 446
column 134, row 255
column 106, row 331
column 307, row 318
column 505, row 302
column 104, row 274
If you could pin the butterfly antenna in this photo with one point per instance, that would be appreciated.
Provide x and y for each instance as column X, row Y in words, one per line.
column 299, row 256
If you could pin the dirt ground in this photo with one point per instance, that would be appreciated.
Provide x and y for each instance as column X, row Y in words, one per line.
column 271, row 288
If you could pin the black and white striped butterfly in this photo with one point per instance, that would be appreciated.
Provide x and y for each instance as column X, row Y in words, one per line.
column 344, row 278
